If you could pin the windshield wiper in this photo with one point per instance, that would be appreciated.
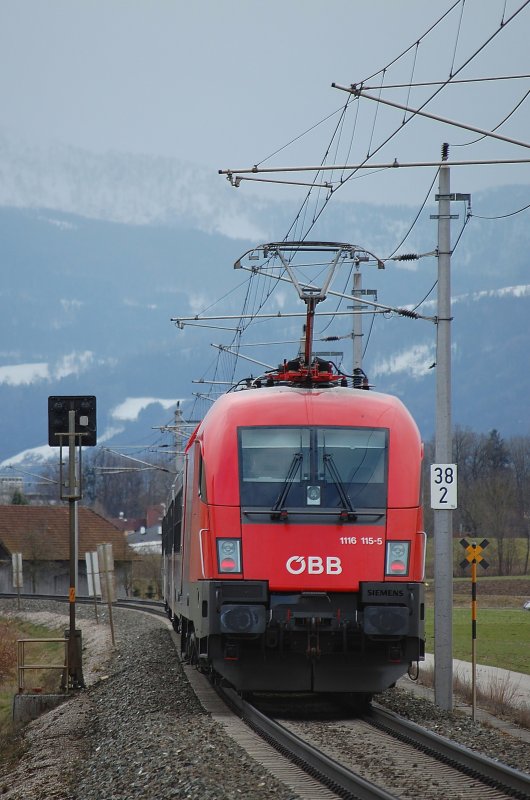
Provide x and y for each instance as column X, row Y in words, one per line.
column 277, row 511
column 347, row 513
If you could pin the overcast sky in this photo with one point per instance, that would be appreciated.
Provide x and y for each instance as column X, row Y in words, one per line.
column 225, row 83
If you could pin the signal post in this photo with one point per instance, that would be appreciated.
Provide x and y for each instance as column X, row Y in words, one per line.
column 72, row 422
column 474, row 556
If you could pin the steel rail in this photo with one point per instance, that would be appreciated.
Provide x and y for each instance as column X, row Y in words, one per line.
column 349, row 784
column 155, row 607
column 330, row 773
column 481, row 768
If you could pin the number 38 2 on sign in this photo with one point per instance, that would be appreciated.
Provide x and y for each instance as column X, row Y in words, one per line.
column 443, row 486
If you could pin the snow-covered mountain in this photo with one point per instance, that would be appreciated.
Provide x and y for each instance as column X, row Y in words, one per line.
column 131, row 189
column 98, row 252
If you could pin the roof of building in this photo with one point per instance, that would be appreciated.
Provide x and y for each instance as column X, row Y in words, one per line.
column 43, row 533
column 127, row 524
column 153, row 516
column 146, row 537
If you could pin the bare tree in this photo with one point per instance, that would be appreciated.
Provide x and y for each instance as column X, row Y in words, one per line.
column 493, row 492
column 117, row 484
column 519, row 448
column 497, row 514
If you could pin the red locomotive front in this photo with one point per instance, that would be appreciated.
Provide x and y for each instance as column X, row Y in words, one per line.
column 294, row 548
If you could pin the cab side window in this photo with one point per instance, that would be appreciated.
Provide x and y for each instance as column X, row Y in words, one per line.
column 202, row 479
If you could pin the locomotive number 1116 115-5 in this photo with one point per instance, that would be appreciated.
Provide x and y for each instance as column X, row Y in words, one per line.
column 361, row 540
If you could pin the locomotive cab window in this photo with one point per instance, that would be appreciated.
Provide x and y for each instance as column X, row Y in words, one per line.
column 313, row 467
column 202, row 479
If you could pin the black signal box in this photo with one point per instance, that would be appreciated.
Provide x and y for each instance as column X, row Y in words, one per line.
column 59, row 417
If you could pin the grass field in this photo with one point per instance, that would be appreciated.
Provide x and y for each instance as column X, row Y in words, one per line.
column 503, row 637
column 503, row 625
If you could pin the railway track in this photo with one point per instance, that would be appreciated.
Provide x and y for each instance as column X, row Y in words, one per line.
column 381, row 756
column 155, row 607
column 486, row 770
column 378, row 755
column 340, row 780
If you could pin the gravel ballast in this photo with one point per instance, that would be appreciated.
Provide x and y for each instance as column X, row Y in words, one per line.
column 139, row 732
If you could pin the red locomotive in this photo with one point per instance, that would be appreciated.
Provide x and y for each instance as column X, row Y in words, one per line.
column 293, row 543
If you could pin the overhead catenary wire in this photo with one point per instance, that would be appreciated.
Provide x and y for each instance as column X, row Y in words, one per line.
column 145, row 464
column 415, row 44
column 453, row 73
column 238, row 330
column 464, row 225
column 462, row 7
column 423, row 36
column 436, row 117
column 502, row 216
column 396, row 164
column 226, row 349
column 409, row 88
column 434, row 94
column 499, row 124
column 299, row 136
column 416, row 218
column 321, row 203
column 375, row 116
column 420, row 84
column 378, row 308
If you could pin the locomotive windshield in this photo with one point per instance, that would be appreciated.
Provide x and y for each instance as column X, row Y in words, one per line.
column 313, row 468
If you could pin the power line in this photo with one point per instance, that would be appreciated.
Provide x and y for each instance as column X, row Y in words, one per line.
column 420, row 84
column 505, row 119
column 299, row 223
column 437, row 118
column 503, row 216
column 429, row 99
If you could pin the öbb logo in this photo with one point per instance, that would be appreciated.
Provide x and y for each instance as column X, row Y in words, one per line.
column 315, row 565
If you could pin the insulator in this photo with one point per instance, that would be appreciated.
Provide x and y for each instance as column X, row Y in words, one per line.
column 405, row 312
column 407, row 257
column 358, row 376
column 445, row 151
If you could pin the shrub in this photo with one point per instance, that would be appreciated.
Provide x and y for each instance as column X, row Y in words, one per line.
column 8, row 652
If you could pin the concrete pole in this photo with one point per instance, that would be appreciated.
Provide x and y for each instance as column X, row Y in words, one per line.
column 443, row 522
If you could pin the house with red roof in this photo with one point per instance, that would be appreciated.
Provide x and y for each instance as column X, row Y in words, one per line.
column 42, row 535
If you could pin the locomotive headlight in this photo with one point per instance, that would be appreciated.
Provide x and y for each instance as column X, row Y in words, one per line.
column 397, row 558
column 236, row 618
column 229, row 555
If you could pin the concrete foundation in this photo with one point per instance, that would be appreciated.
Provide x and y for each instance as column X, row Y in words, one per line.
column 27, row 707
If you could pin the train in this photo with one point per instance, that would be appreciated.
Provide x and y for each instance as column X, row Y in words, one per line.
column 293, row 542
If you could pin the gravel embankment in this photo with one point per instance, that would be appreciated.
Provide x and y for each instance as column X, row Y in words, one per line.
column 458, row 726
column 139, row 732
